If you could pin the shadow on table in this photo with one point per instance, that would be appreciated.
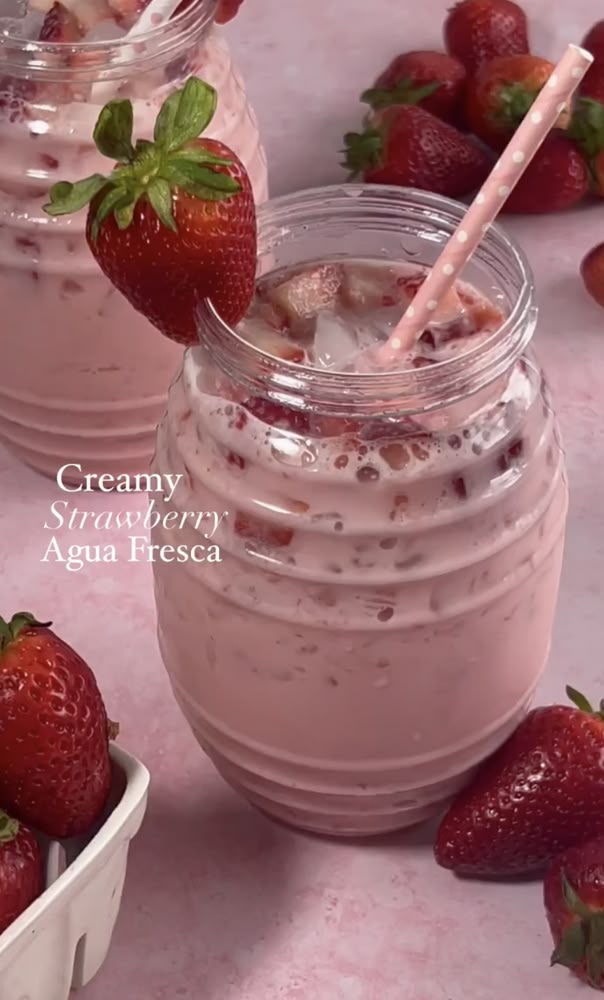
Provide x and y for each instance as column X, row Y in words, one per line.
column 218, row 878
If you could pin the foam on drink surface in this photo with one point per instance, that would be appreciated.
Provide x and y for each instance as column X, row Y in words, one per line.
column 330, row 315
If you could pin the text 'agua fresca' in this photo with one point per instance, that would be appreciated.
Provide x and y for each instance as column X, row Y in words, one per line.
column 193, row 532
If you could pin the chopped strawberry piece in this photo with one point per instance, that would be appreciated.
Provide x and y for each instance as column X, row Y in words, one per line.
column 234, row 459
column 265, row 336
column 461, row 490
column 307, row 293
column 248, row 526
column 278, row 415
column 60, row 25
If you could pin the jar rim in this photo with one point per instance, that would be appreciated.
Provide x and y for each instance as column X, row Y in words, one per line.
column 53, row 62
column 403, row 391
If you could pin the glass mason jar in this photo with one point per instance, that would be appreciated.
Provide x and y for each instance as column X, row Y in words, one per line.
column 383, row 607
column 83, row 376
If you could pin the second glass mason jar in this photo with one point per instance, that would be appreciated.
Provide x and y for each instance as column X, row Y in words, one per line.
column 377, row 626
column 83, row 377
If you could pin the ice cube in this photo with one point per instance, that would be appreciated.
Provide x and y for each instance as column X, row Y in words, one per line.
column 335, row 343
column 13, row 8
column 19, row 21
column 105, row 31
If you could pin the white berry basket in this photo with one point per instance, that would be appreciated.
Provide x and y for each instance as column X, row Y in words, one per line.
column 60, row 942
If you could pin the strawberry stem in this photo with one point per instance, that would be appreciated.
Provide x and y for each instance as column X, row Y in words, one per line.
column 403, row 92
column 11, row 630
column 9, row 828
column 149, row 169
column 516, row 100
column 579, row 700
column 362, row 150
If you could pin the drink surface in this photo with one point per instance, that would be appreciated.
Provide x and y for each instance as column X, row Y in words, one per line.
column 330, row 314
column 384, row 605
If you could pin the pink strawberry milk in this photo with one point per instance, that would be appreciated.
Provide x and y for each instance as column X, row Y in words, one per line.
column 383, row 606
column 83, row 377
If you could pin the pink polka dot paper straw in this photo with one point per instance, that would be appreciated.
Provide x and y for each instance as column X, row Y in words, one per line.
column 542, row 117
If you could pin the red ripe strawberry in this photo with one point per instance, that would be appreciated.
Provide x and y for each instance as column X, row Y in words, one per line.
column 540, row 793
column 556, row 179
column 573, row 893
column 55, row 769
column 174, row 223
column 477, row 31
column 501, row 93
column 592, row 84
column 432, row 80
column 21, row 870
column 592, row 272
column 411, row 148
column 60, row 25
column 594, row 40
column 227, row 9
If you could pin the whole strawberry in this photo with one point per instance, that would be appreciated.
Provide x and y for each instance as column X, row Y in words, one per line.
column 594, row 41
column 556, row 179
column 174, row 223
column 55, row 771
column 501, row 94
column 539, row 794
column 21, row 870
column 477, row 31
column 573, row 894
column 411, row 148
column 592, row 272
column 432, row 80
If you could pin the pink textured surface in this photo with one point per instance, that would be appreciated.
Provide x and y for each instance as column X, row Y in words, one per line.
column 221, row 904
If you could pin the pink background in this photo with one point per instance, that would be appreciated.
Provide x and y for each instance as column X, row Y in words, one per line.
column 220, row 904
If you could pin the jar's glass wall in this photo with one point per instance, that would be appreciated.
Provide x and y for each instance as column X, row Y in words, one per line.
column 383, row 607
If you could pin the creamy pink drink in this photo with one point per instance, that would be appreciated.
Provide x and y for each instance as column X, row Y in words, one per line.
column 83, row 377
column 383, row 607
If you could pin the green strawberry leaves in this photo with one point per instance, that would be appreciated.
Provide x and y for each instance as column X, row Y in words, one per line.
column 587, row 127
column 113, row 131
column 159, row 194
column 582, row 940
column 515, row 101
column 11, row 630
column 404, row 92
column 198, row 180
column 66, row 198
column 362, row 150
column 583, row 704
column 150, row 169
column 9, row 828
column 185, row 114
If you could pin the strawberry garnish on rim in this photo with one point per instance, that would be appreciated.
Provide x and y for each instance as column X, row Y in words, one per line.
column 174, row 222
